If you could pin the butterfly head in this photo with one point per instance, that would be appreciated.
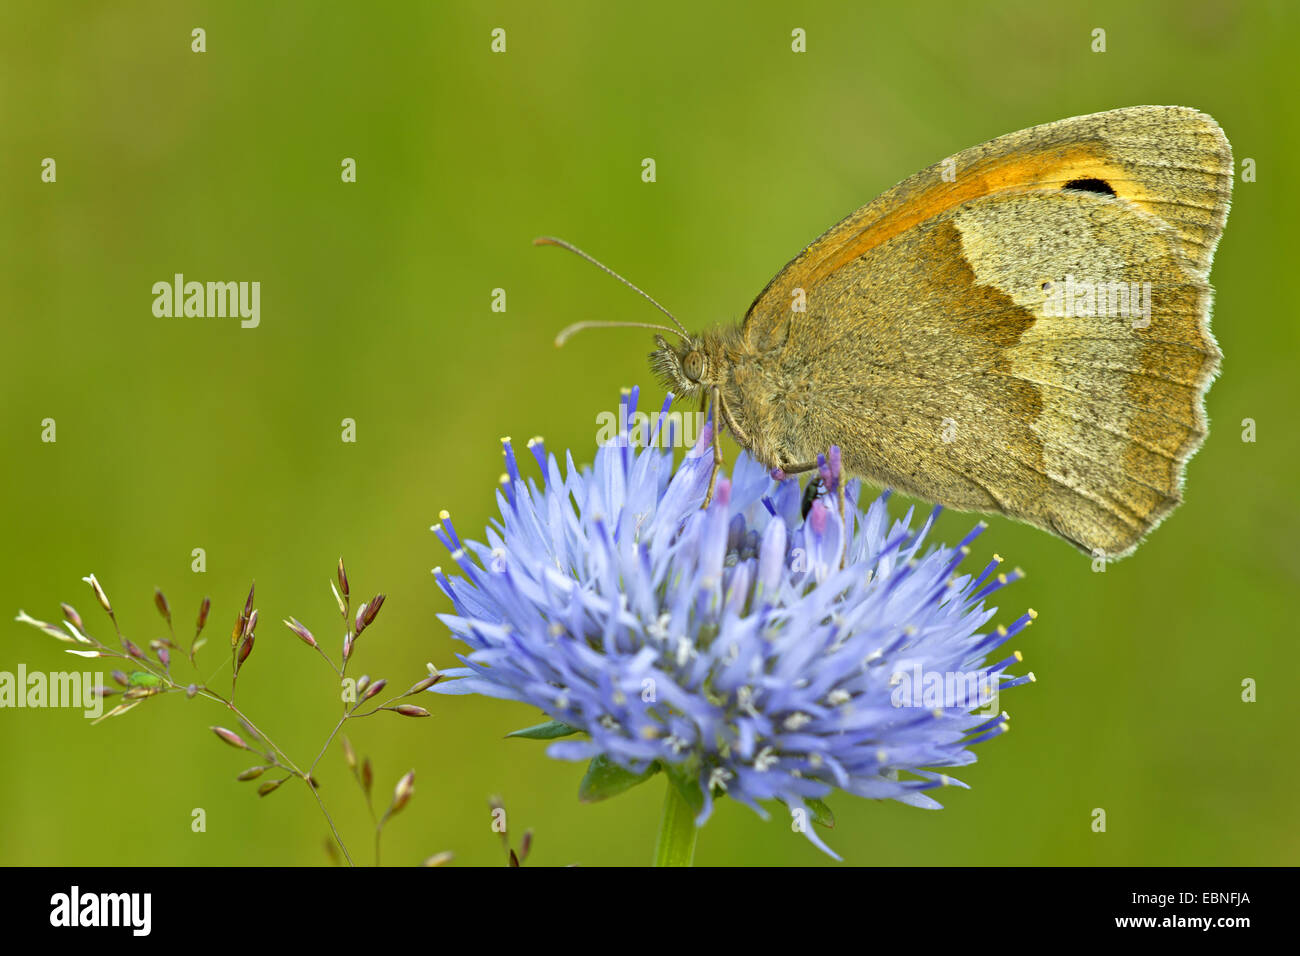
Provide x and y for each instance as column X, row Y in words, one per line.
column 684, row 368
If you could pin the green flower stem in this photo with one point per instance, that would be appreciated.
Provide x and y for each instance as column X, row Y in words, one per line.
column 677, row 831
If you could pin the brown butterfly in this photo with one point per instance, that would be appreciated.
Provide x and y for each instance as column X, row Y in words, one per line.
column 1022, row 328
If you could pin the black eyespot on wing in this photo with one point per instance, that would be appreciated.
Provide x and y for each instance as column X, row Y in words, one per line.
column 1091, row 186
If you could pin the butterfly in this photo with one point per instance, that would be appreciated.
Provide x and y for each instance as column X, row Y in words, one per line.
column 1021, row 329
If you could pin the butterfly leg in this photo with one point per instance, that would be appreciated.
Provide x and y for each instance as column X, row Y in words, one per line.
column 737, row 432
column 717, row 448
column 722, row 411
column 844, row 525
column 782, row 472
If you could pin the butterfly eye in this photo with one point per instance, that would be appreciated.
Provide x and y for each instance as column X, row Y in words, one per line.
column 693, row 366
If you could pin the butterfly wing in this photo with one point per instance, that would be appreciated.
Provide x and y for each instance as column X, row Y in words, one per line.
column 939, row 353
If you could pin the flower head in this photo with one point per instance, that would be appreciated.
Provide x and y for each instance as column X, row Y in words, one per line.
column 741, row 647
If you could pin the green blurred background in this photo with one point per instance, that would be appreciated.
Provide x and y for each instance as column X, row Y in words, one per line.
column 175, row 434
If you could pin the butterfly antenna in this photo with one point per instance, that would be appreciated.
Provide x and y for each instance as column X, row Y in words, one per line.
column 552, row 241
column 569, row 330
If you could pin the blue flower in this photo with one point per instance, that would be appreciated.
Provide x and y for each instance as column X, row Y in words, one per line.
column 738, row 647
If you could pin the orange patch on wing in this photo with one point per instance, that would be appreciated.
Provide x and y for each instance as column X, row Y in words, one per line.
column 1051, row 170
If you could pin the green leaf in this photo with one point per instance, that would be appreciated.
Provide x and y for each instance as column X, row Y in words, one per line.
column 686, row 778
column 547, row 731
column 605, row 779
column 822, row 815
